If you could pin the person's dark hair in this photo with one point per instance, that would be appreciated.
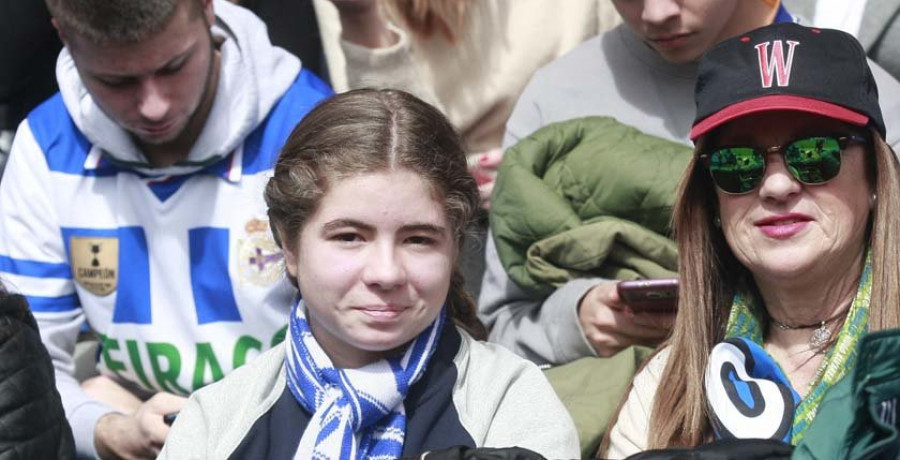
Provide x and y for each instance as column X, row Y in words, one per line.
column 13, row 307
column 365, row 131
column 105, row 22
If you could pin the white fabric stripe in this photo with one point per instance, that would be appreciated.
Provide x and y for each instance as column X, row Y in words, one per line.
column 356, row 406
column 297, row 363
column 40, row 287
column 56, row 315
column 309, row 373
column 93, row 158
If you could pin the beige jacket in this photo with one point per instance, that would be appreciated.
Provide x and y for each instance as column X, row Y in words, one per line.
column 629, row 434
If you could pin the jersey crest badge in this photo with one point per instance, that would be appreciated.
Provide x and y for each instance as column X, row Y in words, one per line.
column 260, row 260
column 95, row 263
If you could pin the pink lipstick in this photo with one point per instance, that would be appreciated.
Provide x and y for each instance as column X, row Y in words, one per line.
column 783, row 226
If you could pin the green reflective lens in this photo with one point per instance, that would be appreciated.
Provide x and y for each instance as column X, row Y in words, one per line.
column 814, row 160
column 737, row 169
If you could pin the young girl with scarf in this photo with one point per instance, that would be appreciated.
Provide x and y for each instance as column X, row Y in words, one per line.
column 370, row 202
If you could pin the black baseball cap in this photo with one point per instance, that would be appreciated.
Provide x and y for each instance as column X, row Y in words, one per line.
column 786, row 66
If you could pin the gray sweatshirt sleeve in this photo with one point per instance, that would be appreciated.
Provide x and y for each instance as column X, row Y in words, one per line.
column 59, row 334
column 525, row 119
column 543, row 330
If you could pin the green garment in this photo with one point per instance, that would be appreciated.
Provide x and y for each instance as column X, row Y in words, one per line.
column 591, row 389
column 589, row 197
column 858, row 418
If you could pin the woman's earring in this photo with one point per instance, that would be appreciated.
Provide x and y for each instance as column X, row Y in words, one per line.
column 872, row 200
column 717, row 221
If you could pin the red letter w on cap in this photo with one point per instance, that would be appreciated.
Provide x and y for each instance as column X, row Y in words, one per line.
column 775, row 66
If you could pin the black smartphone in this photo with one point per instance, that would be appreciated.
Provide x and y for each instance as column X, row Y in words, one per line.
column 650, row 295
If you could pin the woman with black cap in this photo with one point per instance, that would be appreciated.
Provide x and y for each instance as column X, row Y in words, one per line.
column 785, row 223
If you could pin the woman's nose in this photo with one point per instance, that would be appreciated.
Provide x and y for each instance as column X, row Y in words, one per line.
column 778, row 183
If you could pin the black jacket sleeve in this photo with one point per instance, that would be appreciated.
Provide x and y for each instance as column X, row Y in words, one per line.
column 32, row 422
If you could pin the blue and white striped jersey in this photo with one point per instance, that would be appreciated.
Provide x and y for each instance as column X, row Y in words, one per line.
column 179, row 275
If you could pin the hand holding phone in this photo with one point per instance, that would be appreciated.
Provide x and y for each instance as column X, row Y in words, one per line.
column 650, row 295
column 611, row 325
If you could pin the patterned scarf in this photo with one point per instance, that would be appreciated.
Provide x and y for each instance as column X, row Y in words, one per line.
column 356, row 413
column 747, row 387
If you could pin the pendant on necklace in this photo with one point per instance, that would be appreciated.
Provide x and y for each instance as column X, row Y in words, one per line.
column 820, row 337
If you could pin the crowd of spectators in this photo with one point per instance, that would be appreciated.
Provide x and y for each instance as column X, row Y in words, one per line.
column 392, row 228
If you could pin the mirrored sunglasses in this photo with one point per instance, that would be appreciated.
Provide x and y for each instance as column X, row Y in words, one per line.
column 812, row 160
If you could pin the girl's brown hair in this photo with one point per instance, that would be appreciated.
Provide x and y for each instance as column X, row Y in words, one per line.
column 709, row 273
column 365, row 131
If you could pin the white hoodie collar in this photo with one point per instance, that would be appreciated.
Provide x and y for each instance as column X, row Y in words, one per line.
column 253, row 77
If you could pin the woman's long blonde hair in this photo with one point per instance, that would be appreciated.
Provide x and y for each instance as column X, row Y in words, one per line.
column 427, row 17
column 709, row 273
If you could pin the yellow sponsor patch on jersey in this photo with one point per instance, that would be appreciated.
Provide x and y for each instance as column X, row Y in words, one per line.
column 95, row 263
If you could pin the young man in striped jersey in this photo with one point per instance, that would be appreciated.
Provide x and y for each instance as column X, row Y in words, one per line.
column 132, row 202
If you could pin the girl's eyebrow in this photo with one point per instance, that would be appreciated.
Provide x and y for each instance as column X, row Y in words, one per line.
column 341, row 223
column 425, row 228
column 413, row 227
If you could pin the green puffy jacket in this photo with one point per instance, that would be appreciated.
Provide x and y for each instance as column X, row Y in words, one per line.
column 589, row 197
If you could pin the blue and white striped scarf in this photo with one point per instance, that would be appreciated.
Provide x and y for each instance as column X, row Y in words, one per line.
column 356, row 413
